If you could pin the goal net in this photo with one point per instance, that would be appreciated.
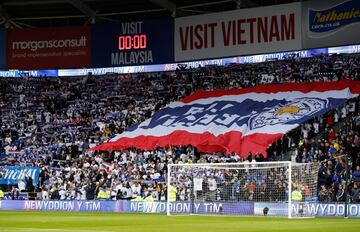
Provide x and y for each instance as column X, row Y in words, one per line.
column 263, row 189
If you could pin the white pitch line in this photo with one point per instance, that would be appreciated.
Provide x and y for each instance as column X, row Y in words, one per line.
column 49, row 230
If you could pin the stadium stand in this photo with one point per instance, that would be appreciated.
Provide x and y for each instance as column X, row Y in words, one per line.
column 51, row 122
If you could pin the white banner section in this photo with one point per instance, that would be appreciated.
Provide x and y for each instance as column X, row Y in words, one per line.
column 249, row 31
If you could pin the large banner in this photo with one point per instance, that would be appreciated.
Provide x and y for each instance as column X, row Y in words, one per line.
column 49, row 48
column 13, row 175
column 239, row 32
column 133, row 43
column 238, row 120
column 330, row 23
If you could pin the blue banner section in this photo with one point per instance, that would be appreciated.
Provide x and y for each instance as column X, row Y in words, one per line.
column 30, row 73
column 239, row 208
column 3, row 37
column 71, row 206
column 338, row 16
column 133, row 43
column 13, row 175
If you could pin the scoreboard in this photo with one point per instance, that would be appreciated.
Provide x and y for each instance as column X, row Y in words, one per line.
column 133, row 43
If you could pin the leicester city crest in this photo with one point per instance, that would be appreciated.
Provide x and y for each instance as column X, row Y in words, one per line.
column 292, row 112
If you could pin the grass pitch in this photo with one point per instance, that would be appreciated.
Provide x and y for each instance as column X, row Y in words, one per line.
column 106, row 222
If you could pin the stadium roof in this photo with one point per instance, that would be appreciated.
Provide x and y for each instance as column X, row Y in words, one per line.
column 45, row 13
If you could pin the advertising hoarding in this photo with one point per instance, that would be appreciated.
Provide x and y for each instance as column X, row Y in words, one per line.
column 49, row 48
column 319, row 209
column 239, row 32
column 330, row 23
column 210, row 208
column 173, row 66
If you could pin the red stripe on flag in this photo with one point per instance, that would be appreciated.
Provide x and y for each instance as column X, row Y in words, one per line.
column 274, row 88
column 206, row 142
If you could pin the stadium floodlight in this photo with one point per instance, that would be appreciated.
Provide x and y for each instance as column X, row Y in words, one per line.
column 263, row 189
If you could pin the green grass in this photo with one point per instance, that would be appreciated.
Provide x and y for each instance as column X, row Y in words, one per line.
column 103, row 222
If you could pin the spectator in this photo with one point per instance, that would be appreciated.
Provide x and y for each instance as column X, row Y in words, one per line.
column 44, row 194
column 14, row 193
column 90, row 190
column 104, row 194
column 324, row 195
column 355, row 192
column 356, row 174
column 340, row 195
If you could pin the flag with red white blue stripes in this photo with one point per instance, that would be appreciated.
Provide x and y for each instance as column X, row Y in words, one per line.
column 238, row 120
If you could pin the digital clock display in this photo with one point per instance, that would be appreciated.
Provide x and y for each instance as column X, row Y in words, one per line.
column 131, row 42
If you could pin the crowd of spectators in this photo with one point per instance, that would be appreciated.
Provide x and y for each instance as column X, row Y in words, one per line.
column 51, row 122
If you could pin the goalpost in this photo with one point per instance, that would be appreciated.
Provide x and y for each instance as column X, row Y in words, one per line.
column 253, row 189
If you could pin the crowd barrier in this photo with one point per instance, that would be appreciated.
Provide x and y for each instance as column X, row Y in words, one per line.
column 236, row 208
